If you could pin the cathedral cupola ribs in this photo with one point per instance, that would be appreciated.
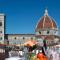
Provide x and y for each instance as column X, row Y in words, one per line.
column 46, row 22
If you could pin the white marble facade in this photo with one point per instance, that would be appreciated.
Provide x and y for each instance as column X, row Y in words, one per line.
column 2, row 28
column 19, row 38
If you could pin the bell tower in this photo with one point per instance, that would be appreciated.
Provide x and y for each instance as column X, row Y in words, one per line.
column 2, row 28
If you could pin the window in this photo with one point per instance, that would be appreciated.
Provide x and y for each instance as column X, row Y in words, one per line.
column 0, row 38
column 23, row 38
column 0, row 23
column 47, row 32
column 15, row 38
column 0, row 31
column 32, row 38
column 39, row 32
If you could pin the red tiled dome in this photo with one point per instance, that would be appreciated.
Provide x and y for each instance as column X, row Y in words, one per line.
column 46, row 22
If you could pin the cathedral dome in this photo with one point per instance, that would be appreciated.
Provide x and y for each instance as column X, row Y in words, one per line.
column 46, row 22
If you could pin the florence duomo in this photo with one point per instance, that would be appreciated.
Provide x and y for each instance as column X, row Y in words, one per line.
column 46, row 29
column 29, row 29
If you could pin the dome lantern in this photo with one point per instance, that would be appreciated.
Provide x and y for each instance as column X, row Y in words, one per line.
column 46, row 12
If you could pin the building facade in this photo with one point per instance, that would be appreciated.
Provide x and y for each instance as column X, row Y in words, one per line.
column 46, row 29
column 2, row 28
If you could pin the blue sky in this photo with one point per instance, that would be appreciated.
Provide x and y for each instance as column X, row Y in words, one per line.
column 23, row 15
